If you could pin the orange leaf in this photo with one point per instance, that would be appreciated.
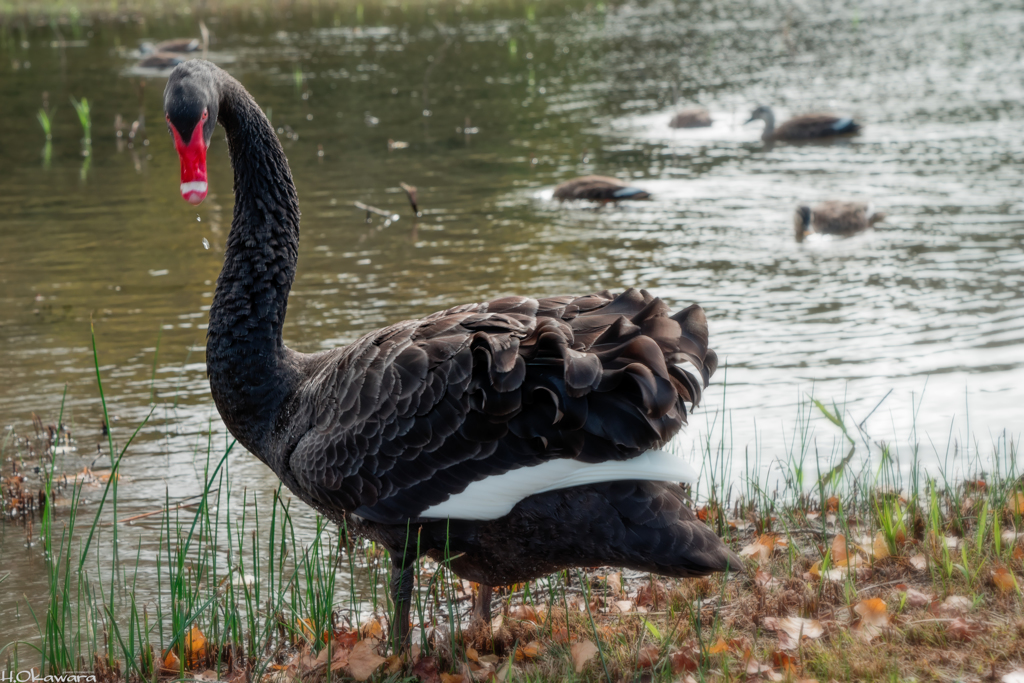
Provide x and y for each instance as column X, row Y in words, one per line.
column 472, row 655
column 372, row 629
column 873, row 610
column 719, row 647
column 452, row 678
column 531, row 650
column 1015, row 504
column 171, row 661
column 762, row 548
column 784, row 661
column 1004, row 580
column 195, row 647
column 832, row 504
column 560, row 636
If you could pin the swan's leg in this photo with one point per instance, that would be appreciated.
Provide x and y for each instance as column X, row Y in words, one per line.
column 482, row 607
column 401, row 596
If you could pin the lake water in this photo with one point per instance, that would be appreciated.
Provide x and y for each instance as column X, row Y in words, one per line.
column 929, row 305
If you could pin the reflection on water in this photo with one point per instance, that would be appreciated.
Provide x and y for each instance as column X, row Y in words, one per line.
column 931, row 302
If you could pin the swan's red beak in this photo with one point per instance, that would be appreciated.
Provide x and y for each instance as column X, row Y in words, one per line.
column 193, row 164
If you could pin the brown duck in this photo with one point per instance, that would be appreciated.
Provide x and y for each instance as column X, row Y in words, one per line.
column 806, row 127
column 834, row 218
column 598, row 188
column 514, row 437
column 696, row 117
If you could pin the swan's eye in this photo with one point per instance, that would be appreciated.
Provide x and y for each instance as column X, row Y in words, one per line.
column 206, row 114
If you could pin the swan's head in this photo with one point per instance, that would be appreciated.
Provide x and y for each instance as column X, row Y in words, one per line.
column 764, row 112
column 802, row 222
column 191, row 99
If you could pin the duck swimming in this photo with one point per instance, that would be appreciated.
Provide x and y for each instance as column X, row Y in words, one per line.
column 598, row 188
column 806, row 127
column 696, row 117
column 835, row 218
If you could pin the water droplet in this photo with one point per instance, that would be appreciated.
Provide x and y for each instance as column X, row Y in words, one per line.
column 206, row 243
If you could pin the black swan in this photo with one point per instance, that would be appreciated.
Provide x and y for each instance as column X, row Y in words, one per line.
column 835, row 218
column 515, row 437
column 806, row 127
column 696, row 117
column 598, row 188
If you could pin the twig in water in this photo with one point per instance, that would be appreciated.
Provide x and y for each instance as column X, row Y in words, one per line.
column 180, row 505
column 371, row 209
column 410, row 194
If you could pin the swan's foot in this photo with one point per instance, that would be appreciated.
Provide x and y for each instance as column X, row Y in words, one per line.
column 482, row 606
column 401, row 596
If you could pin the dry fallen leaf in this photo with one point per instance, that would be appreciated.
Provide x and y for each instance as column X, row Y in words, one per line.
column 648, row 657
column 623, row 606
column 453, row 678
column 1015, row 503
column 363, row 660
column 531, row 650
column 582, row 653
column 874, row 618
column 954, row 604
column 916, row 598
column 963, row 629
column 873, row 610
column 790, row 630
column 683, row 661
column 1004, row 580
column 426, row 670
column 919, row 562
column 371, row 628
column 614, row 582
column 879, row 547
column 766, row 580
column 526, row 613
column 762, row 548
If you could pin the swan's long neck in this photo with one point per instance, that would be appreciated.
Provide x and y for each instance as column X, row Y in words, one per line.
column 250, row 373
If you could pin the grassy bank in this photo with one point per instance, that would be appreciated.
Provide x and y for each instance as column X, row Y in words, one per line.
column 861, row 570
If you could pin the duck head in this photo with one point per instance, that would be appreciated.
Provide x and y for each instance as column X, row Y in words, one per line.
column 191, row 101
column 763, row 112
column 802, row 223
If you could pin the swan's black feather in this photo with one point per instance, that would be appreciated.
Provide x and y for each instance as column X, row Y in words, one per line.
column 501, row 385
